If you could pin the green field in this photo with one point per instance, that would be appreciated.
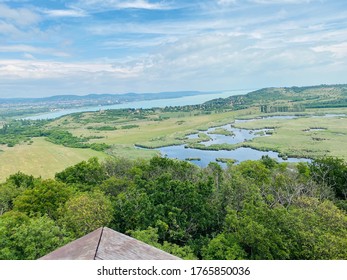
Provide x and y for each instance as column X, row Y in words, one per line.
column 41, row 158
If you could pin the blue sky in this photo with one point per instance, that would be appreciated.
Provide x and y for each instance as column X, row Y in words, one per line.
column 50, row 47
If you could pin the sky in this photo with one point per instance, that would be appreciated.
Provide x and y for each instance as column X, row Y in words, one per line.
column 51, row 47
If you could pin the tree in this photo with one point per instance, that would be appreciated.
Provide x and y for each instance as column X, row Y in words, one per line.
column 184, row 206
column 86, row 212
column 8, row 192
column 118, row 167
column 256, row 229
column 114, row 186
column 223, row 247
column 46, row 197
column 132, row 210
column 24, row 238
column 150, row 236
column 39, row 237
column 215, row 171
column 21, row 180
column 269, row 162
column 332, row 172
column 319, row 230
column 9, row 223
column 255, row 171
column 85, row 174
column 179, row 170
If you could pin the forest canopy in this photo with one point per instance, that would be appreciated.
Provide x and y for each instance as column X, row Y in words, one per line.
column 254, row 210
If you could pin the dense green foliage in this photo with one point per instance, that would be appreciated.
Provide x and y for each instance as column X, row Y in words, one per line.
column 254, row 210
column 333, row 173
column 17, row 131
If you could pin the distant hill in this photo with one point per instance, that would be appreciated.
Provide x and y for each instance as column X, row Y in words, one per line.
column 102, row 99
column 321, row 96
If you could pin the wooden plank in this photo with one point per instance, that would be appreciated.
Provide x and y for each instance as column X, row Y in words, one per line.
column 107, row 244
column 83, row 248
column 117, row 246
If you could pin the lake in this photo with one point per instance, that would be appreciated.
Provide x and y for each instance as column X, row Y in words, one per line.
column 146, row 104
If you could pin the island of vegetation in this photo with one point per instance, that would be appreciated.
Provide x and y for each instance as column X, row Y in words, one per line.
column 221, row 131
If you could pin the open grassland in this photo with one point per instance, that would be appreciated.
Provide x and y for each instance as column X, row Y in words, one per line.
column 130, row 152
column 41, row 158
column 153, row 131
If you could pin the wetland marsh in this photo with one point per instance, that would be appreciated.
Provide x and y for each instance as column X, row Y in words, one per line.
column 201, row 133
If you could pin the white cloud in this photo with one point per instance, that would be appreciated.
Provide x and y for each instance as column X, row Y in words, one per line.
column 226, row 2
column 8, row 29
column 19, row 16
column 141, row 4
column 31, row 49
column 337, row 50
column 217, row 44
column 19, row 23
column 166, row 27
column 139, row 43
column 27, row 69
column 66, row 13
column 100, row 5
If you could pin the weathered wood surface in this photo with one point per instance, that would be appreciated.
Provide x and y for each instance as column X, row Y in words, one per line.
column 107, row 244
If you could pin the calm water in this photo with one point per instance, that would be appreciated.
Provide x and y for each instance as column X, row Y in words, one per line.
column 188, row 100
column 240, row 154
column 240, row 135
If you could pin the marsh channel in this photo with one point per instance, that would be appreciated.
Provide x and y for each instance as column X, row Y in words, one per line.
column 226, row 134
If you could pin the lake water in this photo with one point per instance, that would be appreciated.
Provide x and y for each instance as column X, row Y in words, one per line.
column 240, row 154
column 160, row 103
column 240, row 135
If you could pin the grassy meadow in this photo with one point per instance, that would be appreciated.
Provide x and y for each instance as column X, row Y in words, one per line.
column 154, row 131
column 41, row 158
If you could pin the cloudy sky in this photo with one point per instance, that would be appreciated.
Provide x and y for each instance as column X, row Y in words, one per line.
column 50, row 47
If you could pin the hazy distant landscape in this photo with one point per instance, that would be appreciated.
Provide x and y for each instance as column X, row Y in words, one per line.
column 210, row 129
column 18, row 107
